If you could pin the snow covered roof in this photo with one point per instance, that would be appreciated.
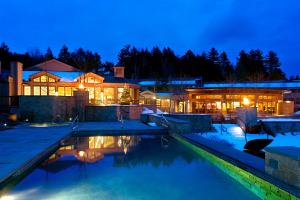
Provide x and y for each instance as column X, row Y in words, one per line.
column 64, row 76
column 171, row 82
column 274, row 84
column 54, row 65
column 163, row 94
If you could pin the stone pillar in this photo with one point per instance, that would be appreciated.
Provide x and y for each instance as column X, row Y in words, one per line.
column 81, row 101
column 246, row 118
column 16, row 71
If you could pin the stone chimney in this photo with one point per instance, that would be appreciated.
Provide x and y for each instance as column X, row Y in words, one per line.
column 16, row 71
column 119, row 72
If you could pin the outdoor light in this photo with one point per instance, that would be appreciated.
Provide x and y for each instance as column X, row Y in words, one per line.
column 246, row 101
column 70, row 119
column 5, row 124
column 154, row 97
column 81, row 153
column 26, row 120
column 81, row 86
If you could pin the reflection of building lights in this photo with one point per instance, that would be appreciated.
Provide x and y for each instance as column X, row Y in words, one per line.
column 81, row 86
column 125, row 150
column 246, row 101
column 9, row 197
column 81, row 153
column 119, row 142
column 102, row 140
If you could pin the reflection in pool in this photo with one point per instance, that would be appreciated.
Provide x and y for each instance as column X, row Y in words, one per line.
column 127, row 167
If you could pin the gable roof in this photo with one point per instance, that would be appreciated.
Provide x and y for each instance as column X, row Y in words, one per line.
column 90, row 74
column 54, row 65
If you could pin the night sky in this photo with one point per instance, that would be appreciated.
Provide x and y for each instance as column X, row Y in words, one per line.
column 106, row 26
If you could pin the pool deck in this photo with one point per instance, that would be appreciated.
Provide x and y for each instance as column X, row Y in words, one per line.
column 21, row 145
column 24, row 146
column 132, row 127
column 230, row 152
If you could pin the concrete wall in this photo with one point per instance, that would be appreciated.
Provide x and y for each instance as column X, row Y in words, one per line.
column 284, row 164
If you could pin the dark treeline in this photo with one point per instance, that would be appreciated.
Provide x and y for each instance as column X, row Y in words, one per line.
column 211, row 65
column 163, row 64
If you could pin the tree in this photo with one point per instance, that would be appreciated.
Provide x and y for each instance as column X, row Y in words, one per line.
column 256, row 69
column 48, row 55
column 5, row 55
column 64, row 55
column 273, row 67
column 226, row 67
column 125, row 98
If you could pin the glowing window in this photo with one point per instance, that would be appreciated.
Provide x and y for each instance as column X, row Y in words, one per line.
column 91, row 93
column 61, row 91
column 108, row 93
column 120, row 91
column 44, row 90
column 52, row 91
column 27, row 90
column 90, row 80
column 37, row 79
column 51, row 80
column 43, row 79
column 36, row 91
column 68, row 91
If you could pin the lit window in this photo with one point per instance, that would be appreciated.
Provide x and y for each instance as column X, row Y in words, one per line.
column 131, row 91
column 68, row 91
column 61, row 91
column 43, row 79
column 44, row 90
column 108, row 95
column 120, row 91
column 37, row 79
column 27, row 90
column 51, row 90
column 91, row 93
column 51, row 80
column 36, row 91
column 90, row 80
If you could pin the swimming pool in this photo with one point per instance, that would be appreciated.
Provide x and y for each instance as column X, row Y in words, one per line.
column 127, row 167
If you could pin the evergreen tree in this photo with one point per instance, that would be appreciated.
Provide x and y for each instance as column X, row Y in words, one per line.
column 65, row 56
column 48, row 55
column 273, row 67
column 5, row 55
column 242, row 66
column 125, row 98
column 226, row 68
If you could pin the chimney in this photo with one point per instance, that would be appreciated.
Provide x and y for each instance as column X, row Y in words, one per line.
column 119, row 72
column 16, row 71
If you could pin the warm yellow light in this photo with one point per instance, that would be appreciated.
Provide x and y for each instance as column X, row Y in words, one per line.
column 7, row 198
column 81, row 153
column 154, row 97
column 246, row 101
column 56, row 93
column 81, row 86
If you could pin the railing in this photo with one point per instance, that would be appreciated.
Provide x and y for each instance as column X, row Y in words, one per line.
column 75, row 124
column 165, row 120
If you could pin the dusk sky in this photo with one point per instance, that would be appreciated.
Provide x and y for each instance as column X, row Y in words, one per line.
column 106, row 26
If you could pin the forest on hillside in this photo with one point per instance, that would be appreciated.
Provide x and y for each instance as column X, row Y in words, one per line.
column 163, row 64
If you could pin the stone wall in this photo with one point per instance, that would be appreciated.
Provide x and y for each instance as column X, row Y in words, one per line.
column 283, row 126
column 284, row 164
column 198, row 122
column 113, row 112
column 46, row 108
column 246, row 118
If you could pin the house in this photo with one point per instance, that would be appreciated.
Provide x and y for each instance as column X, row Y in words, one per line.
column 54, row 78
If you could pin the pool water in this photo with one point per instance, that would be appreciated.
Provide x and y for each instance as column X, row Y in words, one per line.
column 127, row 167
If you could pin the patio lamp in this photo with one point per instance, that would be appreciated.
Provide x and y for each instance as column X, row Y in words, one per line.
column 246, row 101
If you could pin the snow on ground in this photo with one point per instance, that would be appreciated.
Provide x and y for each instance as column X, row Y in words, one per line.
column 280, row 120
column 147, row 111
column 236, row 137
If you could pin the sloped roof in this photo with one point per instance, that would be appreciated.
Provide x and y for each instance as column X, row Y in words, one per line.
column 64, row 76
column 54, row 65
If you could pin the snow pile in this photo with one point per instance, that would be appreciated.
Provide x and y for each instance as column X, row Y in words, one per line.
column 158, row 111
column 236, row 137
column 147, row 111
column 297, row 113
column 153, row 124
column 280, row 120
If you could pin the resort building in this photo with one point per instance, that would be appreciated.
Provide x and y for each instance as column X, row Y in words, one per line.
column 54, row 78
column 270, row 98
